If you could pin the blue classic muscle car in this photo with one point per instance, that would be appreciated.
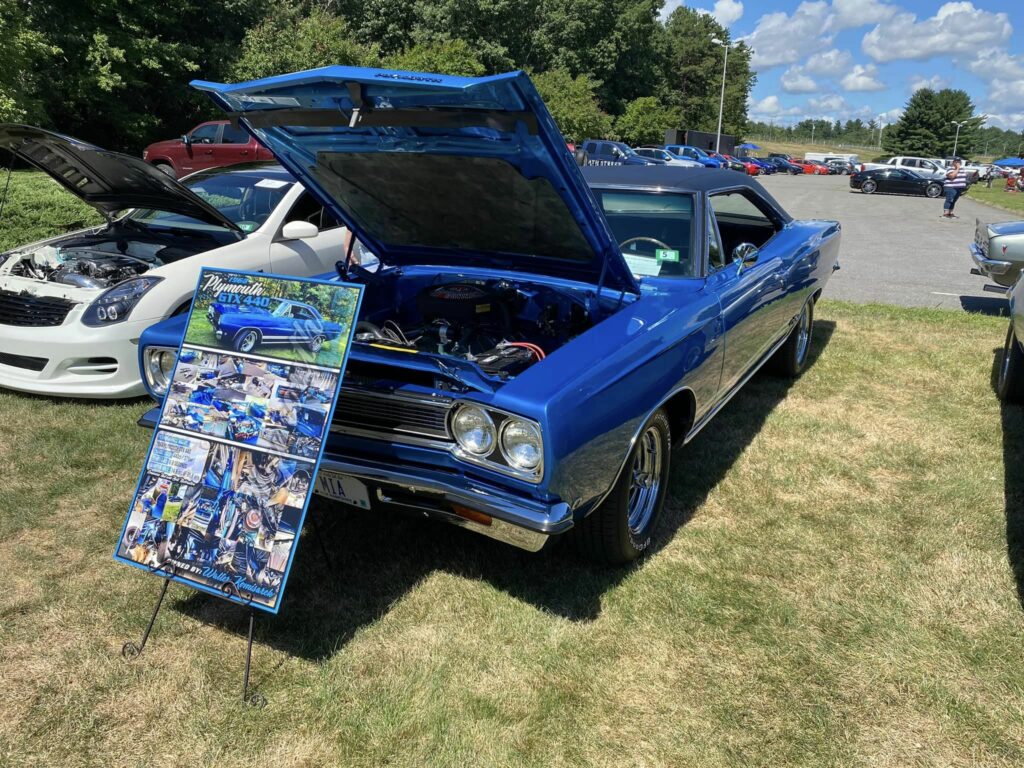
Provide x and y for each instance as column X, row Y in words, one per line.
column 537, row 336
column 283, row 322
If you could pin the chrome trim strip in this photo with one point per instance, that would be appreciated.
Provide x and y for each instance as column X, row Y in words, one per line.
column 392, row 437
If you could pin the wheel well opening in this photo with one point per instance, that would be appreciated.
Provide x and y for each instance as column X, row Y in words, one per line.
column 681, row 408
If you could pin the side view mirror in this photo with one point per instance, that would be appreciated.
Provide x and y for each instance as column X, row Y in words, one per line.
column 745, row 254
column 186, row 140
column 299, row 230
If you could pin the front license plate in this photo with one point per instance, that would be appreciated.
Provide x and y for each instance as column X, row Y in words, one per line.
column 342, row 488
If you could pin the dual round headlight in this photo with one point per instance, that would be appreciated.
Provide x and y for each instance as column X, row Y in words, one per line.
column 518, row 440
column 159, row 366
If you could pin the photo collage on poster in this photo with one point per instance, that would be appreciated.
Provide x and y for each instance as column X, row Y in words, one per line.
column 223, row 493
column 279, row 406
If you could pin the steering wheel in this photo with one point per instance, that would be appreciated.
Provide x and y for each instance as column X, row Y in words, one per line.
column 624, row 243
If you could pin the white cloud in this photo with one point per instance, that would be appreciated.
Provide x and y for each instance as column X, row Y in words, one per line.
column 956, row 28
column 859, row 13
column 669, row 7
column 891, row 116
column 795, row 80
column 829, row 63
column 727, row 12
column 935, row 82
column 863, row 78
column 780, row 38
column 770, row 106
column 833, row 102
column 1009, row 121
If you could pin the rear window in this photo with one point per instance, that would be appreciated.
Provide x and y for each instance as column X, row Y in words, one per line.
column 654, row 231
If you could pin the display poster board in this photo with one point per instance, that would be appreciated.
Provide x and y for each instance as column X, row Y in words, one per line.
column 224, row 490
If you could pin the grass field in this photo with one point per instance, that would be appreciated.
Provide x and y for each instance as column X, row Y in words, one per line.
column 839, row 583
column 997, row 197
column 37, row 208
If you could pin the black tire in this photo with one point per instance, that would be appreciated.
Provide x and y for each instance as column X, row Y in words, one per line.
column 792, row 172
column 1010, row 381
column 868, row 187
column 167, row 168
column 606, row 536
column 246, row 340
column 933, row 190
column 791, row 358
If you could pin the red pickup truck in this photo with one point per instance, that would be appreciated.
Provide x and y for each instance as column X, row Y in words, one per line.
column 207, row 145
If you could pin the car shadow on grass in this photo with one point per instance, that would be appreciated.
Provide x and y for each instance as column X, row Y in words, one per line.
column 1012, row 415
column 369, row 560
column 997, row 306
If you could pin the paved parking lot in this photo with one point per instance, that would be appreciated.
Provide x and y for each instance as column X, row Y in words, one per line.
column 896, row 249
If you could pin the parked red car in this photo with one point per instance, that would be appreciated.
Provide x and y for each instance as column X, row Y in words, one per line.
column 752, row 169
column 810, row 168
column 211, row 144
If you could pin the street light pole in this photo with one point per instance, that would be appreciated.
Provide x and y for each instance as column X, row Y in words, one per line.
column 721, row 99
column 956, row 140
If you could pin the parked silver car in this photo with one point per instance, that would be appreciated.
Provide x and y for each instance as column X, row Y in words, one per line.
column 1010, row 381
column 998, row 251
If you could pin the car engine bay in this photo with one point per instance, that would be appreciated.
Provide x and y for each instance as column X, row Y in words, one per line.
column 503, row 326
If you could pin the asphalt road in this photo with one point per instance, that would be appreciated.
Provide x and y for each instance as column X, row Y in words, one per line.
column 895, row 249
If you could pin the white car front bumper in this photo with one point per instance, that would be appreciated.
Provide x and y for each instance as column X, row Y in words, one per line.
column 72, row 359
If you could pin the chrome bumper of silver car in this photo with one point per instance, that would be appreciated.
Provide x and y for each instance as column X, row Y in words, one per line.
column 989, row 267
column 516, row 520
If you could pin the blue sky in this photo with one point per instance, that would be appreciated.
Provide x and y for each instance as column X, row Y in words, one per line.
column 840, row 59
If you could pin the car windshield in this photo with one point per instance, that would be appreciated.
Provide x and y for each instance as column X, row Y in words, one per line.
column 247, row 199
column 654, row 231
column 280, row 309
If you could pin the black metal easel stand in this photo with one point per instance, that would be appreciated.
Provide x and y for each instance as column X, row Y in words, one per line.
column 256, row 699
column 131, row 651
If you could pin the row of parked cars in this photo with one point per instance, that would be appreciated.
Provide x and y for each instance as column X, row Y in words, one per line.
column 637, row 302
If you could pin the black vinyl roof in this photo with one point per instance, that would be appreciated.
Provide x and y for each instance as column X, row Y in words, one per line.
column 708, row 180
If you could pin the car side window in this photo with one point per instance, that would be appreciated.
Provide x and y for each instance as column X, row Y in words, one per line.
column 302, row 313
column 591, row 148
column 205, row 134
column 743, row 218
column 306, row 208
column 234, row 135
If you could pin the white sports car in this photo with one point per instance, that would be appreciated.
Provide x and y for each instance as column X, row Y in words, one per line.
column 72, row 307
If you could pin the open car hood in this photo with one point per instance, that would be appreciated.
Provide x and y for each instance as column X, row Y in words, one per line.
column 435, row 169
column 108, row 181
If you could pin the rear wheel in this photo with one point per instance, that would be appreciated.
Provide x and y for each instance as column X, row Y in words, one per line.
column 933, row 190
column 791, row 357
column 167, row 168
column 622, row 527
column 868, row 187
column 1010, row 383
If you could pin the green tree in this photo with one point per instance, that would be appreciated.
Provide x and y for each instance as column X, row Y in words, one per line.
column 645, row 121
column 23, row 48
column 572, row 101
column 926, row 126
column 121, row 79
column 448, row 57
column 290, row 39
column 693, row 73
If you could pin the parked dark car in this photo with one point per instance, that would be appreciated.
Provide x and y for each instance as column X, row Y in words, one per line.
column 635, row 303
column 839, row 166
column 600, row 152
column 896, row 181
column 208, row 145
column 784, row 166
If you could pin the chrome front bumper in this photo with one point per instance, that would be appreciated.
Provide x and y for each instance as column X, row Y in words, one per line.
column 522, row 522
column 1003, row 272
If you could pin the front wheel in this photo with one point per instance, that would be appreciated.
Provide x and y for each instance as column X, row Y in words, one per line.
column 316, row 344
column 868, row 187
column 1010, row 384
column 622, row 527
column 791, row 357
column 246, row 340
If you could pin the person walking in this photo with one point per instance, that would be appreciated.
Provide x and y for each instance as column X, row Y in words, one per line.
column 954, row 185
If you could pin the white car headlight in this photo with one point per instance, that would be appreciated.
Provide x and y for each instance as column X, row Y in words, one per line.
column 521, row 444
column 115, row 304
column 473, row 430
column 158, row 364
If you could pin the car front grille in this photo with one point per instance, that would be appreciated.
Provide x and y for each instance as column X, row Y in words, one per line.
column 23, row 361
column 392, row 416
column 26, row 310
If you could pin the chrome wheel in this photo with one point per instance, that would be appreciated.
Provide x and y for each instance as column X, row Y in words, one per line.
column 248, row 341
column 645, row 483
column 316, row 344
column 803, row 334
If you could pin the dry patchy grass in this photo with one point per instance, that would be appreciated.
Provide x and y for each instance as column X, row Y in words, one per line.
column 835, row 586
